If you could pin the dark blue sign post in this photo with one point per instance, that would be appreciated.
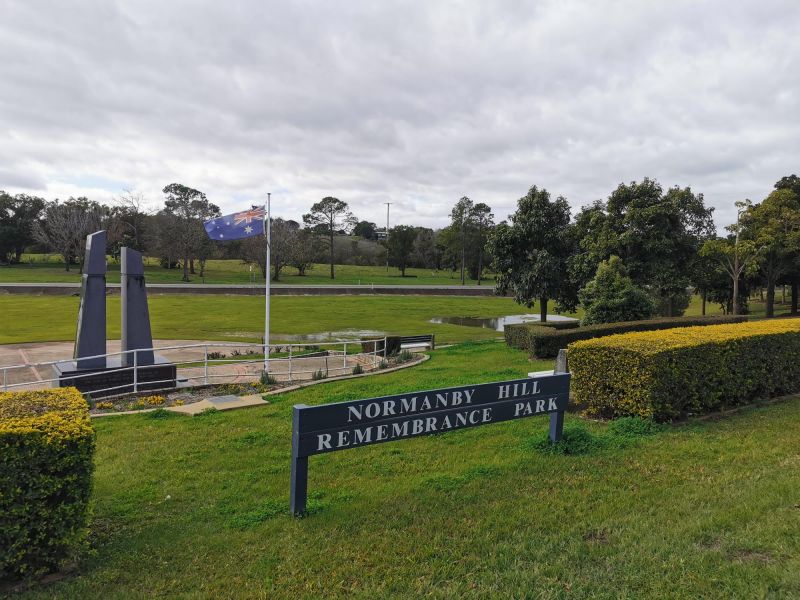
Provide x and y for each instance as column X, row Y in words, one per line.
column 344, row 425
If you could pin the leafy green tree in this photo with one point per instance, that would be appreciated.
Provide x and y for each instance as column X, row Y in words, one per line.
column 656, row 234
column 481, row 220
column 189, row 208
column 774, row 227
column 400, row 245
column 366, row 230
column 531, row 252
column 612, row 296
column 734, row 254
column 460, row 217
column 17, row 217
column 329, row 216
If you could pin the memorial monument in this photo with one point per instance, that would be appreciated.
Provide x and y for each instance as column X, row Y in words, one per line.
column 137, row 368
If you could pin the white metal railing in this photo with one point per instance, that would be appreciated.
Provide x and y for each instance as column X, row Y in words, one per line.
column 195, row 365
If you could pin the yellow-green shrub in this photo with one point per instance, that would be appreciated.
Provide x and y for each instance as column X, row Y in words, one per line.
column 675, row 372
column 46, row 450
column 545, row 342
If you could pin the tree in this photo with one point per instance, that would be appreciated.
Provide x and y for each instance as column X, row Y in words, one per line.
column 733, row 254
column 190, row 207
column 303, row 251
column 531, row 253
column 774, row 226
column 18, row 214
column 283, row 238
column 460, row 218
column 328, row 216
column 400, row 245
column 64, row 227
column 656, row 234
column 612, row 296
column 482, row 221
column 366, row 230
column 426, row 253
column 127, row 222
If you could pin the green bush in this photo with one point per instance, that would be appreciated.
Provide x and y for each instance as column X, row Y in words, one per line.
column 558, row 324
column 46, row 449
column 664, row 375
column 545, row 342
column 612, row 296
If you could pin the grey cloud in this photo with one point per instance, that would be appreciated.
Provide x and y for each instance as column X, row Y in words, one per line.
column 414, row 103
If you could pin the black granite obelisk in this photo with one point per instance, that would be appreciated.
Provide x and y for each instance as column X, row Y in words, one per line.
column 136, row 332
column 90, row 339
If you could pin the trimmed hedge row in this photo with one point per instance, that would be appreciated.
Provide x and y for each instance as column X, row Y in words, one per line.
column 46, row 449
column 670, row 374
column 545, row 342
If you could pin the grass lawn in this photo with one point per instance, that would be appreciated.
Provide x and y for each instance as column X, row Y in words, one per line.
column 241, row 318
column 38, row 268
column 197, row 507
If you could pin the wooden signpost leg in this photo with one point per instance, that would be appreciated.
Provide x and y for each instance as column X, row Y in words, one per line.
column 298, row 492
column 557, row 418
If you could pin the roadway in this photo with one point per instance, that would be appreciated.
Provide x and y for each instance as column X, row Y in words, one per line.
column 278, row 289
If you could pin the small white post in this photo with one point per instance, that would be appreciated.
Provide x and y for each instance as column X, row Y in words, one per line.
column 385, row 340
column 290, row 362
column 344, row 357
column 205, row 363
column 135, row 371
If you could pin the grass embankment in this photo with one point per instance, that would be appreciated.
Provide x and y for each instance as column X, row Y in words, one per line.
column 241, row 318
column 196, row 507
column 38, row 268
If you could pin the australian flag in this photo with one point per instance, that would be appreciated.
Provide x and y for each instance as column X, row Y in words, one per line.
column 236, row 226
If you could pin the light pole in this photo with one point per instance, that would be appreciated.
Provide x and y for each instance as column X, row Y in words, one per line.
column 387, row 236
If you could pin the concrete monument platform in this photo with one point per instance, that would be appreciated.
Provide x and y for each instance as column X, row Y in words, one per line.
column 159, row 374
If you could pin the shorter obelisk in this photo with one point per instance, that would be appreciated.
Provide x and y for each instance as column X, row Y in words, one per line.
column 136, row 334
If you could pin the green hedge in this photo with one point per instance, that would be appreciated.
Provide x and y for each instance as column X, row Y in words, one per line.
column 46, row 450
column 664, row 375
column 545, row 342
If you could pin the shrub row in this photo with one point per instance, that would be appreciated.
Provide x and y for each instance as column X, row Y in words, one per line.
column 670, row 374
column 545, row 342
column 46, row 450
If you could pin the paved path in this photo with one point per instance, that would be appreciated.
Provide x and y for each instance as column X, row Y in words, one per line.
column 278, row 289
column 240, row 369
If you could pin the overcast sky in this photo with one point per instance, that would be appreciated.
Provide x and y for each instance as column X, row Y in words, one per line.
column 416, row 103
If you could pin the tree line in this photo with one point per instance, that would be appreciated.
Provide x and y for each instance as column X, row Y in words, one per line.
column 642, row 251
column 329, row 233
column 645, row 250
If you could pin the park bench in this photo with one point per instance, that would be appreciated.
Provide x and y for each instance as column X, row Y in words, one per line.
column 414, row 341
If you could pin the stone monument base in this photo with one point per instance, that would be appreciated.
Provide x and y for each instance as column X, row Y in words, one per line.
column 162, row 374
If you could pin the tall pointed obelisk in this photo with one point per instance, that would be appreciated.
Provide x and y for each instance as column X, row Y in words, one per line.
column 136, row 332
column 90, row 339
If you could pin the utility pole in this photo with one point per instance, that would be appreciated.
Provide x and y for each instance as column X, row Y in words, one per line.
column 387, row 236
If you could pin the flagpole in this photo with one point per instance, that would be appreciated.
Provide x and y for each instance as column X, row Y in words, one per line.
column 268, row 233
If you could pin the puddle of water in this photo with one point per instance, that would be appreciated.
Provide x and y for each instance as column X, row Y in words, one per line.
column 495, row 323
column 344, row 335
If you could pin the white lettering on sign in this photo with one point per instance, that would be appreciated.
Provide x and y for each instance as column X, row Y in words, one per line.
column 414, row 404
column 523, row 409
column 380, row 433
column 508, row 391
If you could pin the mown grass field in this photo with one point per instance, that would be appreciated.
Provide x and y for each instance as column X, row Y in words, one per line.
column 197, row 507
column 39, row 268
column 241, row 318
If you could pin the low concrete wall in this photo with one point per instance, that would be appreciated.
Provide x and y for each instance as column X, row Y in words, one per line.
column 67, row 289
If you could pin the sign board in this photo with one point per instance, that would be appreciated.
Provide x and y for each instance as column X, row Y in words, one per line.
column 346, row 425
